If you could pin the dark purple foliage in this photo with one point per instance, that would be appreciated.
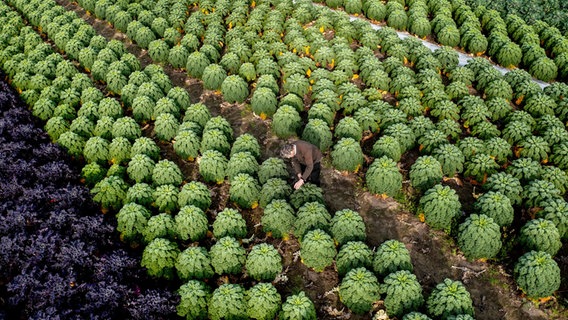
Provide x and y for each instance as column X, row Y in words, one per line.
column 60, row 257
column 154, row 304
column 11, row 253
column 56, row 171
column 48, row 151
column 102, row 299
column 114, row 265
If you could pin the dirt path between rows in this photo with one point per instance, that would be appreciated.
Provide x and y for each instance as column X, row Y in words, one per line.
column 433, row 253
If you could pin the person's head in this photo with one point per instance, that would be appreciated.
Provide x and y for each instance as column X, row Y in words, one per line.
column 287, row 151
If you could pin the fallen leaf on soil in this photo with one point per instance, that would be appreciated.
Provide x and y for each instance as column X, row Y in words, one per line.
column 337, row 314
column 381, row 315
column 457, row 180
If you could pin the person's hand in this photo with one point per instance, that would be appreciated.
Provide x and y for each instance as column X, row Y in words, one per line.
column 299, row 175
column 298, row 184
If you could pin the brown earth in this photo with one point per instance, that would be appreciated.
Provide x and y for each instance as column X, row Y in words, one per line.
column 434, row 254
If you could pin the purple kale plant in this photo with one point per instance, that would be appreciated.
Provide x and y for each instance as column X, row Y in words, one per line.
column 60, row 258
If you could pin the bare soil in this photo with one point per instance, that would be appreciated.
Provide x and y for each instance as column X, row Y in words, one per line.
column 434, row 254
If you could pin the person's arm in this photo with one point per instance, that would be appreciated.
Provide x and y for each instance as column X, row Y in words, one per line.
column 297, row 167
column 309, row 166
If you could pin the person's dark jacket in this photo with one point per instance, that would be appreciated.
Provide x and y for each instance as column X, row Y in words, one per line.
column 306, row 154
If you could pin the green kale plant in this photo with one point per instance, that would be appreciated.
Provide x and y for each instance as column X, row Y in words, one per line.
column 479, row 237
column 403, row 293
column 229, row 222
column 359, row 290
column 391, row 256
column 278, row 219
column 194, row 263
column 227, row 256
column 191, row 223
column 449, row 298
column 317, row 250
column 264, row 262
column 537, row 274
column 159, row 258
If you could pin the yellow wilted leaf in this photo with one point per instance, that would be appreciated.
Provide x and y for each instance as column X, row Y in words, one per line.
column 357, row 169
column 322, row 29
column 421, row 217
column 545, row 299
column 254, row 205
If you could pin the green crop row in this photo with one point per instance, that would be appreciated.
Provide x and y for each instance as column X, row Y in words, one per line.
column 327, row 71
column 133, row 160
column 538, row 48
column 409, row 118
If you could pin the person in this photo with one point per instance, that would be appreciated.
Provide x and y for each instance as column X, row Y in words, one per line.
column 305, row 159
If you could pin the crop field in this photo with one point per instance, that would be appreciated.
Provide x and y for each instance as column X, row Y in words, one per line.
column 140, row 175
